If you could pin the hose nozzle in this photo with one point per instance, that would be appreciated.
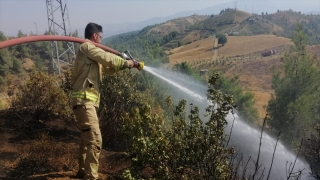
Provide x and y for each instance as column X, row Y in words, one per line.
column 140, row 65
column 128, row 56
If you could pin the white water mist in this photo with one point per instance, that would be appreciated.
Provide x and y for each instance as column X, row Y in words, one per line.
column 244, row 138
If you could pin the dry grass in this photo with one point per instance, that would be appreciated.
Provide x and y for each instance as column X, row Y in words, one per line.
column 236, row 45
column 166, row 28
column 241, row 16
column 178, row 24
column 50, row 157
column 27, row 64
column 195, row 51
column 262, row 99
column 250, row 44
column 192, row 36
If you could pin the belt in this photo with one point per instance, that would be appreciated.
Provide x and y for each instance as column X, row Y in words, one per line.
column 86, row 130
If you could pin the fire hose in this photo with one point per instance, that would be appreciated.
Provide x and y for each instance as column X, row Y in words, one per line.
column 29, row 39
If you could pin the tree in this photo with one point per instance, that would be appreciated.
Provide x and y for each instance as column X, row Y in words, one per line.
column 183, row 67
column 222, row 38
column 244, row 100
column 16, row 65
column 294, row 107
column 5, row 62
column 5, row 58
column 2, row 36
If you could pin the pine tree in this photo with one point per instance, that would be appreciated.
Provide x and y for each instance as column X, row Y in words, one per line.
column 294, row 106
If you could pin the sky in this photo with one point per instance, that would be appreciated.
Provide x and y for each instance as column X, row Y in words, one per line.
column 31, row 15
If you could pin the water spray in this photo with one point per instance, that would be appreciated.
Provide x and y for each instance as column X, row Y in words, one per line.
column 244, row 137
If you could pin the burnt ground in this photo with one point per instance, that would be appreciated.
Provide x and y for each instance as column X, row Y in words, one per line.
column 47, row 150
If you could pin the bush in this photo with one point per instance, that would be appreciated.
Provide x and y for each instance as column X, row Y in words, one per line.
column 16, row 65
column 119, row 95
column 42, row 98
column 188, row 149
column 222, row 38
column 244, row 100
column 2, row 81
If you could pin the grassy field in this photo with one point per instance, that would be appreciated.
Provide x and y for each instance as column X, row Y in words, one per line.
column 236, row 45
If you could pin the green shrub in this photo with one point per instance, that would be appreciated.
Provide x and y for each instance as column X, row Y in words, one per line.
column 188, row 149
column 16, row 65
column 119, row 95
column 42, row 98
column 244, row 100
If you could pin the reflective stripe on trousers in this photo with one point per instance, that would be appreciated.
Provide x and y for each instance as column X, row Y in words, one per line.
column 85, row 95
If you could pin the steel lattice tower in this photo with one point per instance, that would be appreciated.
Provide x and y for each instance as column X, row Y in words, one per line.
column 59, row 24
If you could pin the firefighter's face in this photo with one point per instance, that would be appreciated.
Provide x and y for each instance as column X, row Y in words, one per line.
column 97, row 37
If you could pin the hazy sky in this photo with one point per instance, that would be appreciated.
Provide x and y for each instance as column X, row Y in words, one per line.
column 23, row 14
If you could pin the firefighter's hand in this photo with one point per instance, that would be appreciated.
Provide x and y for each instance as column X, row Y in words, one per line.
column 133, row 64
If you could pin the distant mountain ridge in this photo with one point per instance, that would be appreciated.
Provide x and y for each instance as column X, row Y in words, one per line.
column 114, row 29
column 228, row 21
column 314, row 13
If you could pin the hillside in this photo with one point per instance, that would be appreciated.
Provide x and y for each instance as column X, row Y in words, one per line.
column 281, row 23
column 241, row 56
column 179, row 24
column 237, row 45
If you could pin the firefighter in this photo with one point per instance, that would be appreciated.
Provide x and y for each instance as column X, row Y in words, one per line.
column 90, row 64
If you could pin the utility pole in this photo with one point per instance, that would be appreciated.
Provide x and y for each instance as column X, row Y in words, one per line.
column 235, row 5
column 252, row 9
column 36, row 28
column 59, row 24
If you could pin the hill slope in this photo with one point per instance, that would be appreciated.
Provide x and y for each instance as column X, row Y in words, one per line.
column 241, row 57
column 236, row 45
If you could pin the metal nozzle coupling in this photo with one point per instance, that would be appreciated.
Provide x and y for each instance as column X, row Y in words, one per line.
column 126, row 55
column 140, row 66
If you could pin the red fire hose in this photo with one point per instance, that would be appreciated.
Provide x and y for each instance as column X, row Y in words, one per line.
column 29, row 39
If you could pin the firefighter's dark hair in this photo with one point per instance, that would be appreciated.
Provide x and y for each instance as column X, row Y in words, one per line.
column 92, row 28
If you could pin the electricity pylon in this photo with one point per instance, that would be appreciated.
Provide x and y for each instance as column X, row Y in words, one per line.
column 59, row 24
